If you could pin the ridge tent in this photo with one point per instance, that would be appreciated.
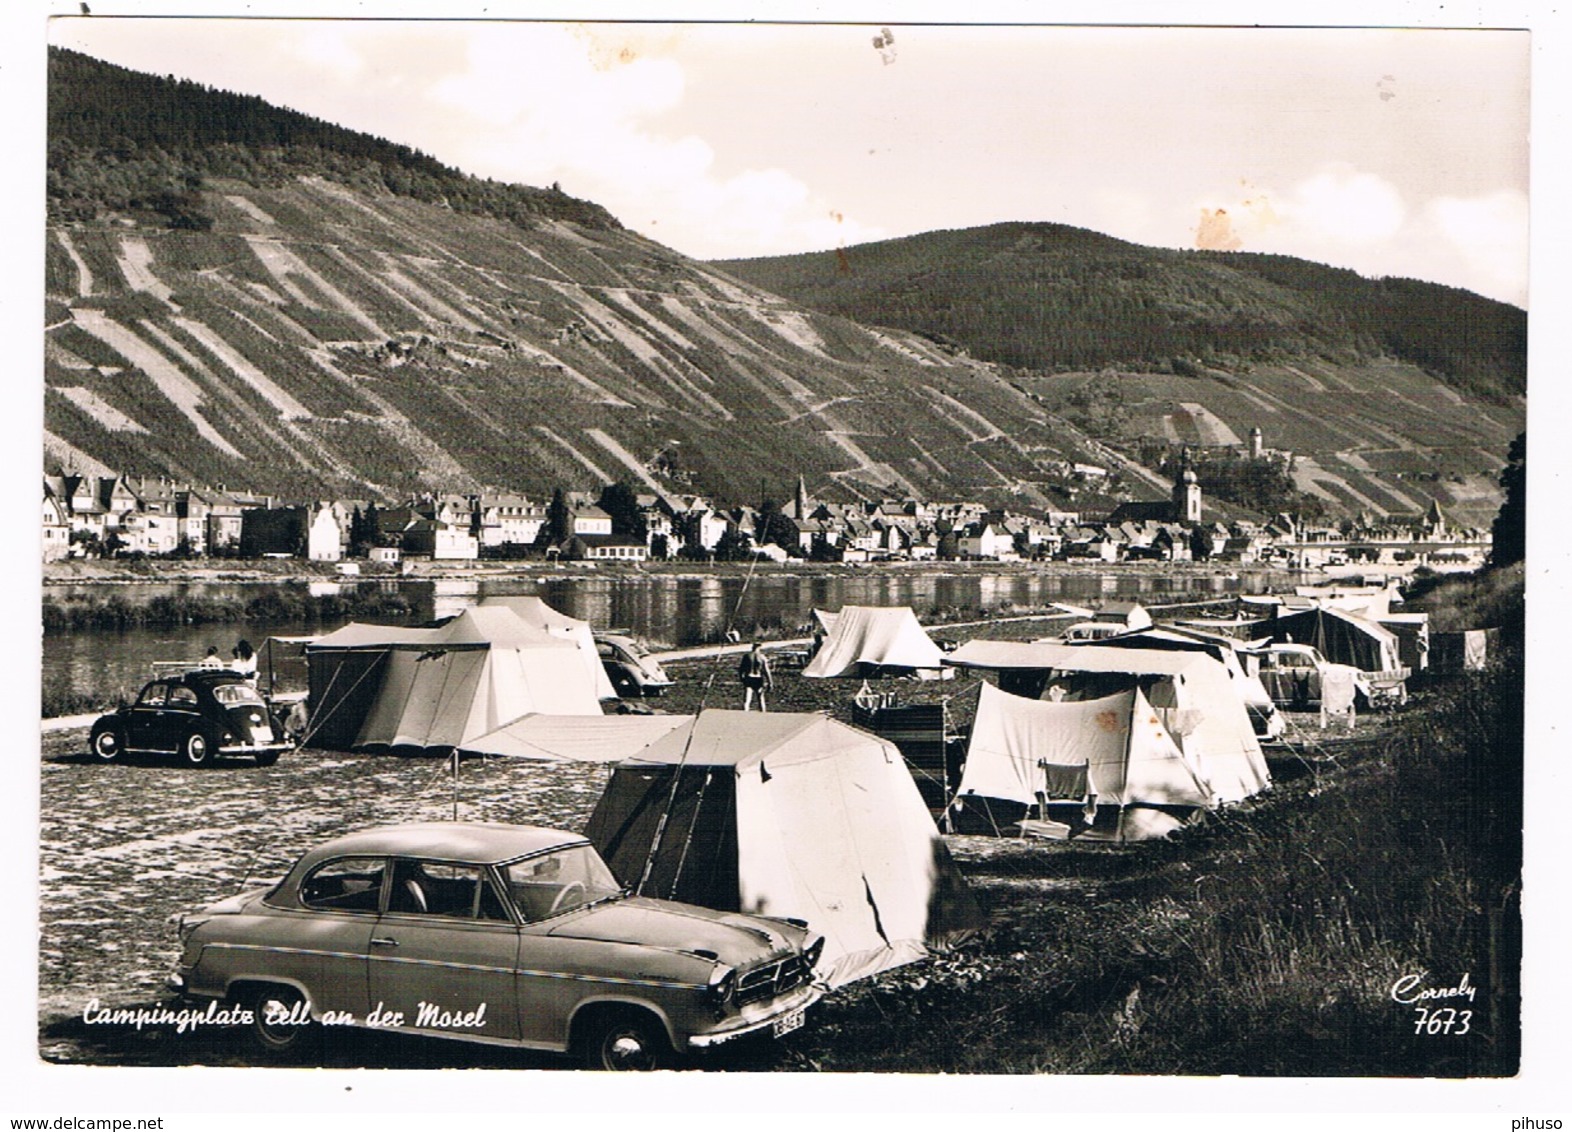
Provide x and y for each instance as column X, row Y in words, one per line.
column 1339, row 636
column 379, row 686
column 788, row 814
column 860, row 637
column 535, row 613
column 1108, row 765
column 1193, row 696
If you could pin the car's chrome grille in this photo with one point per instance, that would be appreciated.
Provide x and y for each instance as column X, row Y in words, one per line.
column 773, row 979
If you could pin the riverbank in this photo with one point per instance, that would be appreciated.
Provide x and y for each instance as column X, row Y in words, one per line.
column 243, row 571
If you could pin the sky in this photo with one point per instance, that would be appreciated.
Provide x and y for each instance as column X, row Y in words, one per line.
column 1390, row 151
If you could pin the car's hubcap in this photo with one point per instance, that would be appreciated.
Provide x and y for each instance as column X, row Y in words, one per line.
column 196, row 748
column 272, row 1010
column 627, row 1051
column 108, row 747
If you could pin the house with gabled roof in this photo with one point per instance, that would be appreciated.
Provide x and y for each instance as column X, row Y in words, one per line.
column 508, row 518
column 56, row 521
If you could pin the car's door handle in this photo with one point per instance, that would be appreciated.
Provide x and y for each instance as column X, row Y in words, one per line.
column 384, row 941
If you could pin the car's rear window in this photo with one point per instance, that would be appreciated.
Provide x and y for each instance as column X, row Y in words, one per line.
column 347, row 884
column 239, row 693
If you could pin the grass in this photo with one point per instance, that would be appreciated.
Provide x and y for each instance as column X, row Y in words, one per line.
column 272, row 604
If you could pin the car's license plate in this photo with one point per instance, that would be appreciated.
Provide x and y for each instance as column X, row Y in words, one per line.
column 786, row 1023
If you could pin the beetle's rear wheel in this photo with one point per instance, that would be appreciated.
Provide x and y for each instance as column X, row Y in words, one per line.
column 627, row 1040
column 196, row 750
column 107, row 743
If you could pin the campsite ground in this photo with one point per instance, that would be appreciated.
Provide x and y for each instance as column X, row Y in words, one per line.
column 1078, row 971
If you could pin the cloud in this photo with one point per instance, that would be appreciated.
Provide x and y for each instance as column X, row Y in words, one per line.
column 544, row 104
column 1356, row 219
column 1344, row 206
column 1490, row 235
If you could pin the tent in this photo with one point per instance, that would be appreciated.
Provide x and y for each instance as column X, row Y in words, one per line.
column 1198, row 704
column 1264, row 715
column 861, row 637
column 1412, row 631
column 379, row 686
column 1130, row 614
column 793, row 815
column 1339, row 636
column 535, row 613
column 1107, row 766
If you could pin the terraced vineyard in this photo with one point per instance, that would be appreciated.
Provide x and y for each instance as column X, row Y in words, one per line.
column 318, row 338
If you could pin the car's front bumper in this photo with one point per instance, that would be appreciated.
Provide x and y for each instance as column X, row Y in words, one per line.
column 756, row 1018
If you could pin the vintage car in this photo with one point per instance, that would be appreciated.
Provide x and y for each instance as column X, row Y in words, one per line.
column 1293, row 675
column 508, row 935
column 631, row 669
column 197, row 715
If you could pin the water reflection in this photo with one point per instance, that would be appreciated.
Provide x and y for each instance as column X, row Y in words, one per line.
column 668, row 610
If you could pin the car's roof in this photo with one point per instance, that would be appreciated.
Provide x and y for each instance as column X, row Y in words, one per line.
column 201, row 676
column 479, row 842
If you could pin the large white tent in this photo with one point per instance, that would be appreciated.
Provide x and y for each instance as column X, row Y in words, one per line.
column 794, row 815
column 864, row 637
column 535, row 613
column 376, row 686
column 1191, row 692
column 1108, row 765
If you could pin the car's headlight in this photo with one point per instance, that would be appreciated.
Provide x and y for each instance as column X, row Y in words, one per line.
column 723, row 980
column 812, row 952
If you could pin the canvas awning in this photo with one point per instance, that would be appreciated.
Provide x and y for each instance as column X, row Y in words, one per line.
column 576, row 738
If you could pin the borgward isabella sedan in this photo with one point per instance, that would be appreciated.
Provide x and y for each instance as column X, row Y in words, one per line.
column 509, row 935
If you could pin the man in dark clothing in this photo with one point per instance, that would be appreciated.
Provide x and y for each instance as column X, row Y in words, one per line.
column 754, row 672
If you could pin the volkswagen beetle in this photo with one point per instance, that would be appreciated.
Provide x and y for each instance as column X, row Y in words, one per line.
column 507, row 935
column 198, row 716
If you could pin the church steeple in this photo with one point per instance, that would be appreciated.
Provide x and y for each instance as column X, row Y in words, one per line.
column 800, row 500
column 1187, row 491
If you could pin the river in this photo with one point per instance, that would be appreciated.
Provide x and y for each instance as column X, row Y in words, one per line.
column 668, row 610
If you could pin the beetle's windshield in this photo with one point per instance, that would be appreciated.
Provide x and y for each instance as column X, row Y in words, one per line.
column 559, row 882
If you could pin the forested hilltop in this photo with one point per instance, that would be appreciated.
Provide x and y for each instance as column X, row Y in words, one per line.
column 1049, row 297
column 124, row 141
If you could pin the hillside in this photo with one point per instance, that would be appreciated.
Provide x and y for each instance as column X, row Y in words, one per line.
column 1051, row 297
column 243, row 295
column 240, row 294
column 1388, row 392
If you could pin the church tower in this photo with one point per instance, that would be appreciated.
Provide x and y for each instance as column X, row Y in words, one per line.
column 800, row 501
column 1187, row 492
column 1257, row 443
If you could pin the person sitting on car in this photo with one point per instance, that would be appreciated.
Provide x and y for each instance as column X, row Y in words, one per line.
column 245, row 660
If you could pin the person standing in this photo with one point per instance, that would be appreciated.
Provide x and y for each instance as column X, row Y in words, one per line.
column 754, row 672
